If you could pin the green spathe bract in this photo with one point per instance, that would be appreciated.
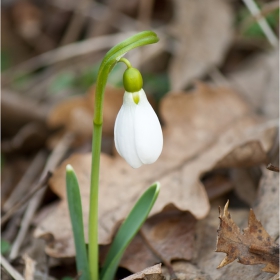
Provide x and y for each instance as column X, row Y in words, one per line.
column 128, row 230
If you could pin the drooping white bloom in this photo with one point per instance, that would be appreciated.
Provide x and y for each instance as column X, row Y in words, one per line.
column 138, row 134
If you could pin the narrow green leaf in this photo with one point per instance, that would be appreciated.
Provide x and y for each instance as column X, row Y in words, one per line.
column 76, row 215
column 128, row 230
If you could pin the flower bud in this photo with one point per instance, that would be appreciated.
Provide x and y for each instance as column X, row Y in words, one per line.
column 132, row 80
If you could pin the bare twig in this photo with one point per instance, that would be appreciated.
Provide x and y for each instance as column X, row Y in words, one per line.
column 15, row 106
column 97, row 11
column 126, row 24
column 25, row 199
column 109, row 15
column 11, row 229
column 70, row 51
column 27, row 179
column 56, row 156
column 273, row 167
column 75, row 49
column 221, row 80
column 15, row 275
column 46, row 272
column 22, row 137
column 266, row 9
column 253, row 8
column 29, row 271
column 76, row 23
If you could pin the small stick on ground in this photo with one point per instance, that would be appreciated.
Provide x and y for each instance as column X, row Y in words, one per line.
column 266, row 9
column 268, row 32
column 25, row 199
column 46, row 273
column 27, row 179
column 30, row 267
column 76, row 23
column 273, row 168
column 15, row 275
column 55, row 158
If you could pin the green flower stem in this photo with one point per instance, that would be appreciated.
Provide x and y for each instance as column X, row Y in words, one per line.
column 126, row 61
column 109, row 61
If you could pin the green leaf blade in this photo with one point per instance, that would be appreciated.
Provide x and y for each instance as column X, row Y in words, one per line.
column 76, row 215
column 128, row 230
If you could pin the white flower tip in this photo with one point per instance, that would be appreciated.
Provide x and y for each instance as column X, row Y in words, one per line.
column 69, row 167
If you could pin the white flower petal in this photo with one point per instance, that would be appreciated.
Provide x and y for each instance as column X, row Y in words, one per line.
column 148, row 133
column 124, row 132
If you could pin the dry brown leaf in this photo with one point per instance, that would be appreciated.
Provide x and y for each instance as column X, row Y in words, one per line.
column 266, row 208
column 206, row 258
column 75, row 113
column 151, row 273
column 166, row 236
column 168, row 230
column 204, row 32
column 201, row 128
column 266, row 205
column 185, row 271
column 248, row 154
column 258, row 81
column 253, row 246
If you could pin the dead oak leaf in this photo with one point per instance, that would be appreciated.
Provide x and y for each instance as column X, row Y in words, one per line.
column 253, row 246
column 206, row 235
column 265, row 207
column 168, row 230
column 166, row 236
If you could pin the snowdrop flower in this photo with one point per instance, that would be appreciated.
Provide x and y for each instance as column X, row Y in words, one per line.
column 138, row 134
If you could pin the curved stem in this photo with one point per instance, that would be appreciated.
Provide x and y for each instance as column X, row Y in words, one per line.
column 109, row 61
column 126, row 62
